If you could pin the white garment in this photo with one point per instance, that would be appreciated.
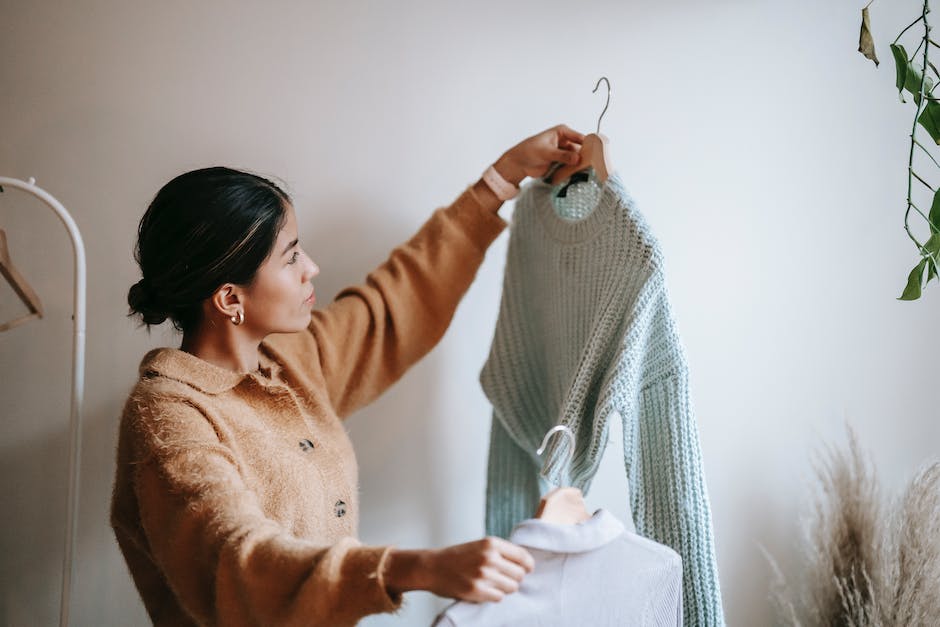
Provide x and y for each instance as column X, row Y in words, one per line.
column 593, row 573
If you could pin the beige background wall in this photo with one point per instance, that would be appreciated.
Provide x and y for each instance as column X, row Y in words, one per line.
column 766, row 153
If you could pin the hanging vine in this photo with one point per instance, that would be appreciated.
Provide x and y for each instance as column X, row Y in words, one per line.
column 913, row 77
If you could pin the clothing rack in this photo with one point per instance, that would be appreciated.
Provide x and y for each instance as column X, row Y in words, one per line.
column 78, row 381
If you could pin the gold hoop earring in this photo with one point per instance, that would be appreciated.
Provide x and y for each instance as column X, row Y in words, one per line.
column 238, row 318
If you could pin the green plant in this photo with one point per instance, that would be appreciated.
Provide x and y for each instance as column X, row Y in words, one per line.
column 913, row 77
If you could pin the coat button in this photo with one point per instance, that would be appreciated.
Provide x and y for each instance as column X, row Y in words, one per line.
column 340, row 509
column 306, row 445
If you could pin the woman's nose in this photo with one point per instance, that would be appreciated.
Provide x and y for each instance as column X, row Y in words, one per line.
column 312, row 269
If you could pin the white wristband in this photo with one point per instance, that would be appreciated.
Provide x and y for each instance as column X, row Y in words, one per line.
column 503, row 189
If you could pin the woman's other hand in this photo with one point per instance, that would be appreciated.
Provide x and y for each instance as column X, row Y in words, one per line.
column 483, row 570
column 535, row 155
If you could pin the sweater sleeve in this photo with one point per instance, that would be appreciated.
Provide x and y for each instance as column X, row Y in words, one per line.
column 662, row 454
column 669, row 497
column 373, row 332
column 226, row 562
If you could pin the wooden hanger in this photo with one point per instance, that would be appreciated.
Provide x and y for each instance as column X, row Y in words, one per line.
column 595, row 151
column 19, row 285
column 563, row 505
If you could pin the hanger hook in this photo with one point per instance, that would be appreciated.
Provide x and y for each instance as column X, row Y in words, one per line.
column 568, row 453
column 602, row 78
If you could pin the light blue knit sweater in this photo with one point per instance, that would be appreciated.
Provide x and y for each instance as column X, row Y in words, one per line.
column 584, row 334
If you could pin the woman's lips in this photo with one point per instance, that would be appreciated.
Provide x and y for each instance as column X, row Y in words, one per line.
column 312, row 298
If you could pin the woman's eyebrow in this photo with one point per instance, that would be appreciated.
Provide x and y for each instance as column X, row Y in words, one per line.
column 289, row 246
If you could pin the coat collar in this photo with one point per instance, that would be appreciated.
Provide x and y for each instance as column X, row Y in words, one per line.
column 179, row 365
column 600, row 529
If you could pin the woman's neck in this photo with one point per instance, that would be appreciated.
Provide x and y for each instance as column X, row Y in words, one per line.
column 227, row 349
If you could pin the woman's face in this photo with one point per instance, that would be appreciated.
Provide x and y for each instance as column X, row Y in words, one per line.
column 281, row 296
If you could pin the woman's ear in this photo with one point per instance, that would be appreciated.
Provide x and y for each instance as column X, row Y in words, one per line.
column 227, row 300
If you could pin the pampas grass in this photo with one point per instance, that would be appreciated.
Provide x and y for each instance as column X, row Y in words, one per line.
column 864, row 564
column 912, row 554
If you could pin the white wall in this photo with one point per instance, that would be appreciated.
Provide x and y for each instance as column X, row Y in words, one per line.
column 768, row 155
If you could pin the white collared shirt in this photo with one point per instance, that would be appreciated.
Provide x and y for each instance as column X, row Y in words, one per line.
column 592, row 573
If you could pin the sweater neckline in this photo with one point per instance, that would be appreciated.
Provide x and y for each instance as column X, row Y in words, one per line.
column 572, row 231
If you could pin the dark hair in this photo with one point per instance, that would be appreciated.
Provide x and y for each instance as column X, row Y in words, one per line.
column 202, row 229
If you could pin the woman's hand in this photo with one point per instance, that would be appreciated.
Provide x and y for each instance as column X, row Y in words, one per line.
column 483, row 570
column 535, row 155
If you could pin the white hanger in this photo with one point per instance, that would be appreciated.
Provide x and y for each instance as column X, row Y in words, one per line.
column 564, row 505
column 595, row 152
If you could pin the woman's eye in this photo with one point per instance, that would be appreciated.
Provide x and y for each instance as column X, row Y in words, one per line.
column 293, row 258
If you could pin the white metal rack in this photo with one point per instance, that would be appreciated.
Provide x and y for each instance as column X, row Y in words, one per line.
column 78, row 382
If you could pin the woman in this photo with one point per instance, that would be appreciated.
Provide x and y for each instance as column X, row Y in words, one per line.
column 235, row 499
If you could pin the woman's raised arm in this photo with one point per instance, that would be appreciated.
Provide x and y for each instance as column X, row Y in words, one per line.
column 369, row 336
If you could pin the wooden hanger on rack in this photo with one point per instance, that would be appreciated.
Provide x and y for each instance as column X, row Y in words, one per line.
column 19, row 285
column 563, row 505
column 595, row 151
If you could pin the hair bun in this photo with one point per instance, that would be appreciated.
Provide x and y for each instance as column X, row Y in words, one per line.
column 141, row 300
column 203, row 229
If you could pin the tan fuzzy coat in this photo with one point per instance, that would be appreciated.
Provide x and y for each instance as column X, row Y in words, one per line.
column 235, row 499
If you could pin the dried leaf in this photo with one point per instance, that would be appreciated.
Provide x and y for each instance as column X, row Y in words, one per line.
column 866, row 45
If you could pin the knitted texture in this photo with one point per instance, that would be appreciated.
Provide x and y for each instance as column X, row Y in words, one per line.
column 236, row 496
column 585, row 333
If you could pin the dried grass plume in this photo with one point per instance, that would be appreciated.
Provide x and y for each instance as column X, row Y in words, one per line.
column 865, row 563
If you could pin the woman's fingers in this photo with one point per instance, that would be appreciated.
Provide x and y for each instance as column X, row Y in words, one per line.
column 484, row 593
column 507, row 565
column 517, row 554
column 484, row 570
column 565, row 156
column 511, row 569
column 567, row 133
column 534, row 156
column 501, row 582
